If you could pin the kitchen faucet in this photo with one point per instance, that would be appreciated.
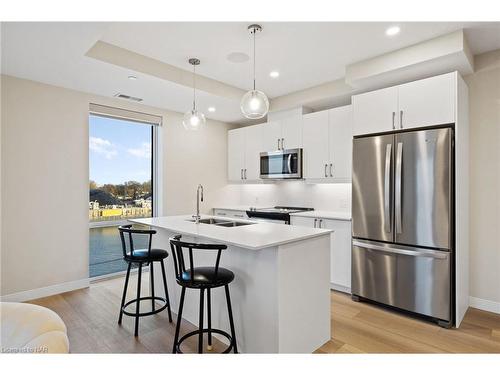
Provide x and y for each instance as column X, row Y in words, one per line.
column 197, row 216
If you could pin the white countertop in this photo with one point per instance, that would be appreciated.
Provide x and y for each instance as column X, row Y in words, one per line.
column 255, row 237
column 333, row 215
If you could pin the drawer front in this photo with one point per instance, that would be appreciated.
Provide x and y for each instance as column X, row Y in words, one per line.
column 414, row 280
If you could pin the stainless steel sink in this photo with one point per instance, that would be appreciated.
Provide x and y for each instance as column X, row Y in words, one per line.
column 222, row 223
column 210, row 221
column 233, row 224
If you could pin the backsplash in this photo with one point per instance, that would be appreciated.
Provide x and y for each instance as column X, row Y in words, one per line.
column 329, row 197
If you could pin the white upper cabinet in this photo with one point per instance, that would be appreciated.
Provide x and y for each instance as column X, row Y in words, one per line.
column 235, row 154
column 253, row 148
column 375, row 111
column 327, row 142
column 340, row 143
column 271, row 134
column 291, row 132
column 282, row 134
column 316, row 145
column 427, row 102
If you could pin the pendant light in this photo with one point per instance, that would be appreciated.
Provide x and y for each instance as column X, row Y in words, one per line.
column 254, row 104
column 194, row 120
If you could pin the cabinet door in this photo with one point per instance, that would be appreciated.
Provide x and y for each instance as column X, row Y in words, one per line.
column 340, row 255
column 316, row 145
column 427, row 102
column 340, row 140
column 253, row 148
column 292, row 132
column 271, row 135
column 375, row 111
column 235, row 154
column 302, row 221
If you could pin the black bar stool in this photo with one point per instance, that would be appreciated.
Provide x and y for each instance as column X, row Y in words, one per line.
column 141, row 257
column 202, row 278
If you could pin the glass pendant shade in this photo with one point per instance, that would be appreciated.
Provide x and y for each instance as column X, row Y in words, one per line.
column 254, row 104
column 193, row 120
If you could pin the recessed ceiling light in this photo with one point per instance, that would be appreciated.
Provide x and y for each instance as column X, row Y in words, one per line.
column 274, row 74
column 393, row 30
column 133, row 78
column 238, row 57
column 211, row 109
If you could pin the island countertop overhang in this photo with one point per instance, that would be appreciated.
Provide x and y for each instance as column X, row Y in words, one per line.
column 257, row 236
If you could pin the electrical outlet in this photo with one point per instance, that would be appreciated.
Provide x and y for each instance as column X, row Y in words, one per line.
column 343, row 203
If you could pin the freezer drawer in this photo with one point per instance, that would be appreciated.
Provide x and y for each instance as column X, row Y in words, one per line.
column 412, row 279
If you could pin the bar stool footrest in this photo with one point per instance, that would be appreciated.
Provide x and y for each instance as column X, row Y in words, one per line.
column 205, row 330
column 147, row 313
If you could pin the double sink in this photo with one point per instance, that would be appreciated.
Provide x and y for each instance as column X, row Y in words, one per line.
column 222, row 223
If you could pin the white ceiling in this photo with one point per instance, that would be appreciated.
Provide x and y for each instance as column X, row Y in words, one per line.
column 306, row 54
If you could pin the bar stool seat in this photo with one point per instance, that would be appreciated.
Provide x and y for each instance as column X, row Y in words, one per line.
column 144, row 255
column 204, row 277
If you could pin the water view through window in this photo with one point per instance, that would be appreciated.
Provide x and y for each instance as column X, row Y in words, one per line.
column 120, row 187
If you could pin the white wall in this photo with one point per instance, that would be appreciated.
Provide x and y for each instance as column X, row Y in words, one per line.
column 484, row 104
column 44, row 184
column 330, row 197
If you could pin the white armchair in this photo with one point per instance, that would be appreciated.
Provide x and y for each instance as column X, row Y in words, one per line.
column 27, row 328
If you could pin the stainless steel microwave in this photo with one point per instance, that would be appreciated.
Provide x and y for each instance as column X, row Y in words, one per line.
column 282, row 164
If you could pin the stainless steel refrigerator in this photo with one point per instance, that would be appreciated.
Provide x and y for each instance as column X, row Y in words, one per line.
column 403, row 221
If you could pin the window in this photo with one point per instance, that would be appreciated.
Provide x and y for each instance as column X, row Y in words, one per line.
column 122, row 179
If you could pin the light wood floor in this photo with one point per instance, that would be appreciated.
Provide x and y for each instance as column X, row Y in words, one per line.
column 91, row 317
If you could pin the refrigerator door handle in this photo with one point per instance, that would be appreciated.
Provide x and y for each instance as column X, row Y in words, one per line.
column 397, row 195
column 387, row 181
column 394, row 250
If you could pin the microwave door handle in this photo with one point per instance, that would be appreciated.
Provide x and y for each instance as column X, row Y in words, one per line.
column 387, row 180
column 398, row 192
column 290, row 163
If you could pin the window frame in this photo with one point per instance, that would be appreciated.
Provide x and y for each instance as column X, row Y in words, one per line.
column 141, row 118
column 156, row 178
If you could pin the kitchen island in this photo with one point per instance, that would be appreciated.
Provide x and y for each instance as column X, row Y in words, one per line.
column 281, row 291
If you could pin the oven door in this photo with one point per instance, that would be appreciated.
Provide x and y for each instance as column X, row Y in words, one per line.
column 281, row 164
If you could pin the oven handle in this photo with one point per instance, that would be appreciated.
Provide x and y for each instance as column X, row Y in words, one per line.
column 289, row 163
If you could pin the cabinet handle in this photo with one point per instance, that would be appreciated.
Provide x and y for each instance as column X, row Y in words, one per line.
column 241, row 173
column 326, row 167
column 331, row 166
column 320, row 223
column 401, row 119
column 282, row 143
column 236, row 215
column 279, row 144
column 393, row 120
column 221, row 214
column 315, row 221
column 245, row 173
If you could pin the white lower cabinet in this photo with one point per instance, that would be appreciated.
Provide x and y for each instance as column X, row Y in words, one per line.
column 340, row 249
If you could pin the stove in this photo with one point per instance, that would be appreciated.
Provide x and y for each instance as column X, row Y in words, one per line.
column 278, row 214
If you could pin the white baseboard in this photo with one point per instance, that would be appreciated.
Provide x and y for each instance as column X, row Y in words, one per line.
column 484, row 304
column 47, row 291
column 340, row 288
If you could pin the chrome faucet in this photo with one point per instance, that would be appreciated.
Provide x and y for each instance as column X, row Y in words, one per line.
column 197, row 217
